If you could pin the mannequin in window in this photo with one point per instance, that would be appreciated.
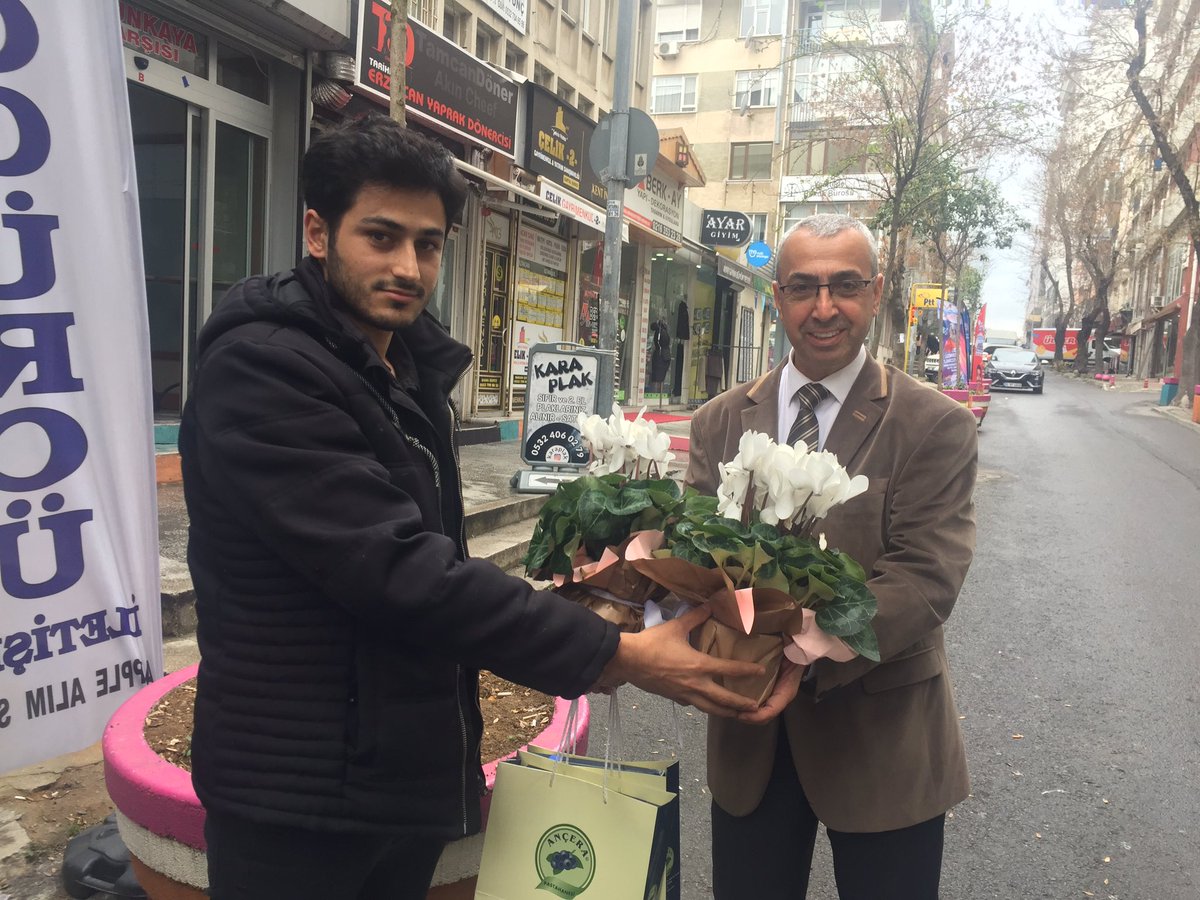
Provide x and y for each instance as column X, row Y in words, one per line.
column 660, row 355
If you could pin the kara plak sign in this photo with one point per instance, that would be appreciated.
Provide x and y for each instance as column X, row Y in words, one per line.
column 724, row 228
column 79, row 595
column 557, row 141
column 561, row 386
column 445, row 84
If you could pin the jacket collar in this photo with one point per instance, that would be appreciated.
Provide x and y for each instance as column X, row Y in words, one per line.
column 859, row 413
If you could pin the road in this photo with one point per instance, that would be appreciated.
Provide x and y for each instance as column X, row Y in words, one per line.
column 1072, row 651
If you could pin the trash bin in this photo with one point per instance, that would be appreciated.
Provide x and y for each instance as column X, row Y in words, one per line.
column 1170, row 389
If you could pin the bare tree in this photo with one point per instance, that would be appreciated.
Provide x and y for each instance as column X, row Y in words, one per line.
column 397, row 61
column 942, row 90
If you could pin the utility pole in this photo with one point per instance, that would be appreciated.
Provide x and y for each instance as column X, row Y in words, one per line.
column 614, row 182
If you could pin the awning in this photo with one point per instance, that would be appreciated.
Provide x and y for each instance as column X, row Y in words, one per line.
column 1169, row 310
column 497, row 181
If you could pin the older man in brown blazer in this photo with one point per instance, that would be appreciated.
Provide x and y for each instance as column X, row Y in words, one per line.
column 873, row 750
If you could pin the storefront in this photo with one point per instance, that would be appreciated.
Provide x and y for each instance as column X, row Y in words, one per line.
column 216, row 113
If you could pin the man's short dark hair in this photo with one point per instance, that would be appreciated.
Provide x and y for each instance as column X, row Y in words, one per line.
column 376, row 150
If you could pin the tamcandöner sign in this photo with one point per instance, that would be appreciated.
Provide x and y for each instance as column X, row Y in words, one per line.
column 445, row 84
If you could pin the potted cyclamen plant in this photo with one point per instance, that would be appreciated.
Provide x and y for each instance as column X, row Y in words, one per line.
column 633, row 546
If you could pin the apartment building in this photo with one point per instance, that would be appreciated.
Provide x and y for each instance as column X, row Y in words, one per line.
column 753, row 82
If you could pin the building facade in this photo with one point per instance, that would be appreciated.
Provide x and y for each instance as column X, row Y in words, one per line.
column 226, row 94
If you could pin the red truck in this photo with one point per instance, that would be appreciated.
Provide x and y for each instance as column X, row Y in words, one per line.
column 1044, row 341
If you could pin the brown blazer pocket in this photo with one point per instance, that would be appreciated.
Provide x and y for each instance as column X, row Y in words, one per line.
column 903, row 672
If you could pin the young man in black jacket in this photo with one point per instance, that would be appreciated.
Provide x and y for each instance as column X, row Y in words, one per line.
column 341, row 621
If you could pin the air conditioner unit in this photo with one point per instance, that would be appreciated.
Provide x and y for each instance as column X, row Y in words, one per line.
column 1157, row 301
column 668, row 49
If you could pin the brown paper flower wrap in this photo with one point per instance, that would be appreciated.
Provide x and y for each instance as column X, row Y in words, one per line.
column 757, row 624
column 611, row 586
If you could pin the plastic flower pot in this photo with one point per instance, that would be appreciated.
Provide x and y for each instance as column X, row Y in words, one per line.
column 162, row 822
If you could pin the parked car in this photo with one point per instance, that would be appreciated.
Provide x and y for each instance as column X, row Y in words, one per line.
column 932, row 363
column 1014, row 368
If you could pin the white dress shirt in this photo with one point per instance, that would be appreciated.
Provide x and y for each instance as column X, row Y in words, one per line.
column 838, row 384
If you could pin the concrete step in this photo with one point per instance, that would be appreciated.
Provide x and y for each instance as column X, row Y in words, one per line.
column 498, row 531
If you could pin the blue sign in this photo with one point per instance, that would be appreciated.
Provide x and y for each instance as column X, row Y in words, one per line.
column 758, row 254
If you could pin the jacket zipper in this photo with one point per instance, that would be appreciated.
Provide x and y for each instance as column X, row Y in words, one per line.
column 462, row 543
column 462, row 538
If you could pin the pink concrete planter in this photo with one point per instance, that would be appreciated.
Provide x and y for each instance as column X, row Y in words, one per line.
column 957, row 394
column 162, row 822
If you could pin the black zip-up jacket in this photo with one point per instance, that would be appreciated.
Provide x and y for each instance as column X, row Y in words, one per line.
column 341, row 624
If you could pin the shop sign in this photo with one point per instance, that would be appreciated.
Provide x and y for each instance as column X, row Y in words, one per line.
column 821, row 189
column 731, row 271
column 724, row 228
column 514, row 12
column 571, row 205
column 541, row 295
column 156, row 36
column 758, row 254
column 657, row 204
column 445, row 84
column 556, row 141
column 563, row 382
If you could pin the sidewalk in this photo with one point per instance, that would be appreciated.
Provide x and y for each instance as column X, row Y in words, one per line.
column 1152, row 388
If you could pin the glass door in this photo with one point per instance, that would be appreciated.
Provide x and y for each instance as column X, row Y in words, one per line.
column 161, row 144
column 238, row 207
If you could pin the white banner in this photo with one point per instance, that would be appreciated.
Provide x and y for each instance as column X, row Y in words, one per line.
column 80, row 627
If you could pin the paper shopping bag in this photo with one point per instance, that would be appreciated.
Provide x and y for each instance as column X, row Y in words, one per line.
column 666, row 771
column 660, row 774
column 550, row 832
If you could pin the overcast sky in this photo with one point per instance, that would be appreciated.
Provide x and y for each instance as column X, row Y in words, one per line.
column 1006, row 283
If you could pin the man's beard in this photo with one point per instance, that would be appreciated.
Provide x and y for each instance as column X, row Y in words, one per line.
column 354, row 297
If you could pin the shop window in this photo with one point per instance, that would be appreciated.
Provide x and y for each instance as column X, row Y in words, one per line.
column 745, row 348
column 750, row 162
column 674, row 93
column 243, row 72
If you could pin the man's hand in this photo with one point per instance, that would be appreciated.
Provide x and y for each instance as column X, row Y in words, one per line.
column 661, row 660
column 787, row 685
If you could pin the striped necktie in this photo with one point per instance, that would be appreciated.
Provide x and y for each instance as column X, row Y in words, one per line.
column 805, row 427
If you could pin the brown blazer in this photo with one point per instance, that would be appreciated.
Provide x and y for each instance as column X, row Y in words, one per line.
column 877, row 745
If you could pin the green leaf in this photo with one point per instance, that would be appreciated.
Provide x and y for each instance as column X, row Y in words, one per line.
column 864, row 643
column 848, row 612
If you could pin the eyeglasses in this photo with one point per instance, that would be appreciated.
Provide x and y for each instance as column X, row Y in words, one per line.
column 841, row 290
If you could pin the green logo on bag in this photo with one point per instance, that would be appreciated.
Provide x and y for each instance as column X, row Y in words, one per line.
column 565, row 861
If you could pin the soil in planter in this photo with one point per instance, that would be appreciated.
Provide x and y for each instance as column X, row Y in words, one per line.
column 512, row 716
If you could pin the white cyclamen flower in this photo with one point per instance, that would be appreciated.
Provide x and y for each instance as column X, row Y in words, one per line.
column 731, row 493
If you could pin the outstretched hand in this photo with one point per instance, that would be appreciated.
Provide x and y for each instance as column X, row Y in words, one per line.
column 661, row 660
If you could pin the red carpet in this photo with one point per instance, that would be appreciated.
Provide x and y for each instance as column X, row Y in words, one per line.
column 657, row 417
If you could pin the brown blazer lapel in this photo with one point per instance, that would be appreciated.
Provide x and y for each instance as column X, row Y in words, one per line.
column 863, row 407
column 762, row 412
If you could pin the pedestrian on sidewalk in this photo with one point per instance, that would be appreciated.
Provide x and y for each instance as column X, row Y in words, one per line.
column 341, row 622
column 872, row 750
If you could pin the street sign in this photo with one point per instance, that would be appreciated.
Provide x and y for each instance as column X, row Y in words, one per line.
column 642, row 148
column 758, row 254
